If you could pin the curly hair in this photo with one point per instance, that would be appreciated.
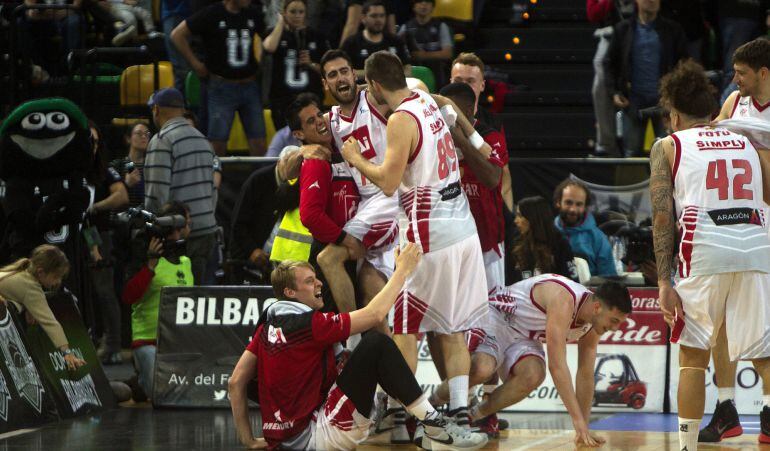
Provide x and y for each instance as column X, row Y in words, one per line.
column 688, row 90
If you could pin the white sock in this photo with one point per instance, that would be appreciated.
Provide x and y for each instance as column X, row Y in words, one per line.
column 688, row 434
column 353, row 341
column 436, row 400
column 394, row 403
column 726, row 393
column 421, row 408
column 458, row 392
column 765, row 400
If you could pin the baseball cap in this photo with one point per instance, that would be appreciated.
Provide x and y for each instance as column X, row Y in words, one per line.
column 167, row 97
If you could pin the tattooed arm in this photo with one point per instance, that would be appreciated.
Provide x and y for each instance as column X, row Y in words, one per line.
column 663, row 225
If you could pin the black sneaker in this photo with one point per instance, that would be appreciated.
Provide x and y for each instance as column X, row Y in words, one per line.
column 724, row 424
column 764, row 423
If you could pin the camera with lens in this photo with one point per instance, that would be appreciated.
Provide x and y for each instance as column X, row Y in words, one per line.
column 143, row 223
column 639, row 247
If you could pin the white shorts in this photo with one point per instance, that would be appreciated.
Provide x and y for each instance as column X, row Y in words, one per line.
column 738, row 298
column 494, row 266
column 446, row 293
column 507, row 346
column 375, row 224
column 382, row 259
column 338, row 425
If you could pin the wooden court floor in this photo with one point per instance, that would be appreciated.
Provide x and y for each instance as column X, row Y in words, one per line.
column 529, row 439
column 142, row 428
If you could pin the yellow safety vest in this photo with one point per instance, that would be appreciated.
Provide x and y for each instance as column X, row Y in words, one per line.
column 292, row 242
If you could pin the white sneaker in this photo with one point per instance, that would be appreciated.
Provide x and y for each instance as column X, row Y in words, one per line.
column 446, row 435
column 394, row 421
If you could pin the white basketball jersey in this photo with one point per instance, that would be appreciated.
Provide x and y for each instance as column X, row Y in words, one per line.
column 430, row 192
column 719, row 201
column 367, row 126
column 748, row 107
column 526, row 316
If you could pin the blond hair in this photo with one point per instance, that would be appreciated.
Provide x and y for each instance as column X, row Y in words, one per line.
column 282, row 276
column 47, row 258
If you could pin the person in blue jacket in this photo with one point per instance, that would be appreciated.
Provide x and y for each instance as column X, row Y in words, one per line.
column 572, row 198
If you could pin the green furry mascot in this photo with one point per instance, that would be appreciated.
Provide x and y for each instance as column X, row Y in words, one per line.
column 45, row 153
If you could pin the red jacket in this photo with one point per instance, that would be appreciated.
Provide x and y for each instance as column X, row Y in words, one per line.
column 328, row 198
column 295, row 367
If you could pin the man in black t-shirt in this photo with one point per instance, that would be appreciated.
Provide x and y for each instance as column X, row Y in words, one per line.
column 296, row 50
column 373, row 38
column 229, row 69
column 432, row 40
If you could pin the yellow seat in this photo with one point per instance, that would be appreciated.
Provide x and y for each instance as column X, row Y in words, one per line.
column 461, row 10
column 137, row 82
column 237, row 141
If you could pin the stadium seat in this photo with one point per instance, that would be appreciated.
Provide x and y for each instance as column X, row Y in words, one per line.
column 426, row 76
column 237, row 141
column 137, row 83
column 461, row 10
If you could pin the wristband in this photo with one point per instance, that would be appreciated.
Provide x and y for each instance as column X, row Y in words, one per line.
column 449, row 114
column 67, row 351
column 476, row 140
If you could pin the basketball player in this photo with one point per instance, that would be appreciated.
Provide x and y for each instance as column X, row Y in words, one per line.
column 715, row 180
column 447, row 292
column 375, row 224
column 751, row 62
column 307, row 402
column 552, row 309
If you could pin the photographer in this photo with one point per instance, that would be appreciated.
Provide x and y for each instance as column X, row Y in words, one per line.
column 165, row 265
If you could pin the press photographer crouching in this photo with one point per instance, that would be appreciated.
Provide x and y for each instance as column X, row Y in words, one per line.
column 165, row 264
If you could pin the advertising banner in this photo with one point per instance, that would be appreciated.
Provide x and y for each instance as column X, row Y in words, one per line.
column 83, row 391
column 748, row 386
column 202, row 332
column 624, row 378
column 24, row 401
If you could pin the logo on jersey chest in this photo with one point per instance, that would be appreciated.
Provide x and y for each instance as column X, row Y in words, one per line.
column 732, row 216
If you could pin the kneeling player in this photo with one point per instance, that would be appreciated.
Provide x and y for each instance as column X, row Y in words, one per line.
column 552, row 309
column 292, row 357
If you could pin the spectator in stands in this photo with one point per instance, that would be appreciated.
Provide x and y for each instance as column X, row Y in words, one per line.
column 374, row 37
column 432, row 39
column 281, row 139
column 739, row 22
column 227, row 31
column 23, row 283
column 172, row 13
column 572, row 198
column 355, row 15
column 110, row 195
column 643, row 49
column 540, row 247
column 132, row 12
column 131, row 167
column 179, row 167
column 44, row 27
column 166, row 265
column 296, row 50
column 257, row 212
column 691, row 17
column 604, row 14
